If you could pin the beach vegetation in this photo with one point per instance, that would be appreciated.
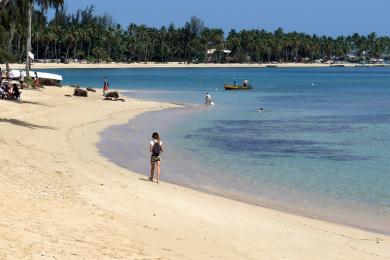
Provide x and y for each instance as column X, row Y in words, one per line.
column 88, row 37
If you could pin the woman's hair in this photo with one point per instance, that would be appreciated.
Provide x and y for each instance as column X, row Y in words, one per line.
column 155, row 136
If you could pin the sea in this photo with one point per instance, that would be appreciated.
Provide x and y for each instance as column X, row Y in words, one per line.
column 320, row 146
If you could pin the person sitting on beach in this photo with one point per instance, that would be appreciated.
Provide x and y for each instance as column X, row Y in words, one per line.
column 15, row 92
column 36, row 80
column 4, row 86
column 5, row 90
column 36, row 83
column 106, row 86
column 155, row 149
column 3, row 93
column 9, row 90
column 208, row 99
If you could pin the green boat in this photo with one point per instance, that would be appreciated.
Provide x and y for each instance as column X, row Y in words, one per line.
column 237, row 87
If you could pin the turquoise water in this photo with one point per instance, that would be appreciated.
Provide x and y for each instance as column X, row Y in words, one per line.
column 319, row 148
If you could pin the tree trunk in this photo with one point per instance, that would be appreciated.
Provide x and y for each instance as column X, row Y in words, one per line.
column 59, row 51
column 75, row 50
column 28, row 45
column 55, row 50
column 11, row 36
column 89, row 47
column 52, row 52
column 46, row 50
column 67, row 52
column 3, row 3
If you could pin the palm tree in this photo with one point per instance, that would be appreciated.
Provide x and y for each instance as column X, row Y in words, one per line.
column 70, row 39
column 86, row 35
column 44, row 4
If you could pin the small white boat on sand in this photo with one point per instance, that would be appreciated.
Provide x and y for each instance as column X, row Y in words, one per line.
column 41, row 75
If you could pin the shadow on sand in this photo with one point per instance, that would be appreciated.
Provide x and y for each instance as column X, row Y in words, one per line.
column 143, row 179
column 24, row 124
column 26, row 102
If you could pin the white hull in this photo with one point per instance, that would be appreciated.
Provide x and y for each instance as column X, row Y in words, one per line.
column 41, row 75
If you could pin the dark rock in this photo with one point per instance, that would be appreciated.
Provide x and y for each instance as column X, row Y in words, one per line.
column 113, row 94
column 49, row 82
column 80, row 92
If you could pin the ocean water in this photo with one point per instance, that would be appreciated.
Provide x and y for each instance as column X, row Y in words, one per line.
column 320, row 148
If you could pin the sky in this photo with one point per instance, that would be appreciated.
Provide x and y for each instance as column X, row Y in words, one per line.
column 329, row 17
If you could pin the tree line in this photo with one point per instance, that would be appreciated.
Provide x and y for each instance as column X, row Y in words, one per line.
column 84, row 35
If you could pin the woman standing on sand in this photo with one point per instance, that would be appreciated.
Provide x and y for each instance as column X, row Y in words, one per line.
column 155, row 150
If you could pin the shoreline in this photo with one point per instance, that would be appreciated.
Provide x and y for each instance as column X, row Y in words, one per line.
column 221, row 191
column 79, row 204
column 180, row 65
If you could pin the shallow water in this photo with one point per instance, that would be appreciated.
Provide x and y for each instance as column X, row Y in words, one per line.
column 320, row 147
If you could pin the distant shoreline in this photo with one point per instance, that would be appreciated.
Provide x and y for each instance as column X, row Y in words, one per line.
column 182, row 65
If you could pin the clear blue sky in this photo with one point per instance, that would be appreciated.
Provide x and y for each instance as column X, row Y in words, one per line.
column 330, row 17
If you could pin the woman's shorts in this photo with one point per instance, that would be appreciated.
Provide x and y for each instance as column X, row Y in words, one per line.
column 155, row 159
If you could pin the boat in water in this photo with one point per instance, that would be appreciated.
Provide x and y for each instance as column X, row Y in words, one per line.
column 237, row 87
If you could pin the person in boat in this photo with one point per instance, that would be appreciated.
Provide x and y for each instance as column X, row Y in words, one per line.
column 156, row 149
column 106, row 86
column 234, row 82
column 208, row 99
column 245, row 83
column 21, row 79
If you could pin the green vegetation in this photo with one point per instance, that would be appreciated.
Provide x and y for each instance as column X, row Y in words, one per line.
column 86, row 36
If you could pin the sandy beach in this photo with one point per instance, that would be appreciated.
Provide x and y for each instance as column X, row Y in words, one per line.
column 117, row 65
column 60, row 199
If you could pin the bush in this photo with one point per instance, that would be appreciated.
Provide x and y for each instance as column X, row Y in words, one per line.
column 28, row 81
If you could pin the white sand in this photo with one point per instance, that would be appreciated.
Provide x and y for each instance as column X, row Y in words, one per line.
column 166, row 65
column 59, row 199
